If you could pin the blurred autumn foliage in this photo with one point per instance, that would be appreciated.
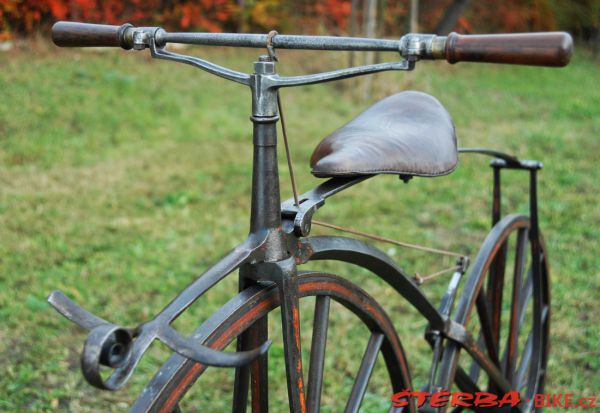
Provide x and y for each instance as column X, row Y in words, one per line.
column 22, row 17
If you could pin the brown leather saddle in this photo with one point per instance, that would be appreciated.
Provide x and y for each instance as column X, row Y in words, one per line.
column 409, row 133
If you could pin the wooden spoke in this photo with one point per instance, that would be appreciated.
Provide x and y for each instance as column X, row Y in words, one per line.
column 317, row 353
column 515, row 308
column 475, row 368
column 487, row 328
column 364, row 373
column 474, row 371
column 521, row 375
column 259, row 370
column 494, row 290
column 467, row 385
column 524, row 298
column 255, row 374
column 464, row 382
column 242, row 379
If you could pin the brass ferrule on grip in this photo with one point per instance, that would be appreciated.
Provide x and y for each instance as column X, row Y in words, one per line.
column 415, row 46
column 438, row 47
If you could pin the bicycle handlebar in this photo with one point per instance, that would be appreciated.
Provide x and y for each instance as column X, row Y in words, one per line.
column 552, row 49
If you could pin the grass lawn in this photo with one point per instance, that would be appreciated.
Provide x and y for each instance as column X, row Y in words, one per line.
column 123, row 178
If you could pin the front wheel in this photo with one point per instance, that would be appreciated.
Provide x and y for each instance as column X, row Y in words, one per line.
column 175, row 378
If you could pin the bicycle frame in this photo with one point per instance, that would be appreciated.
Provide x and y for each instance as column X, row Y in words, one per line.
column 266, row 242
column 278, row 238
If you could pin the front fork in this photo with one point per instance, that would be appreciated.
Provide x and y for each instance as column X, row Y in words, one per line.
column 284, row 274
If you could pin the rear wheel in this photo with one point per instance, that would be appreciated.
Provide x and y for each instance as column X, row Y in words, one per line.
column 252, row 306
column 505, row 306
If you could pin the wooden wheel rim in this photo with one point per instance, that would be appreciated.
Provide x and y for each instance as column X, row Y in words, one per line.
column 178, row 374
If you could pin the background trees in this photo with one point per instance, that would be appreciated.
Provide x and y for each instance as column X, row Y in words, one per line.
column 387, row 17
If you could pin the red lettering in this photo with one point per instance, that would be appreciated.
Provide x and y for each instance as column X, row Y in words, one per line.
column 398, row 398
column 539, row 400
column 511, row 398
column 485, row 399
column 421, row 397
column 556, row 400
column 568, row 399
column 461, row 399
column 439, row 398
column 587, row 402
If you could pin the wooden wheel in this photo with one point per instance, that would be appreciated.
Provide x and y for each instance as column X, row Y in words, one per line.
column 252, row 305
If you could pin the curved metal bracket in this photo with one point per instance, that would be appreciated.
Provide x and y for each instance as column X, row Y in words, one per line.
column 229, row 74
column 491, row 152
column 122, row 348
column 504, row 160
column 314, row 199
column 340, row 74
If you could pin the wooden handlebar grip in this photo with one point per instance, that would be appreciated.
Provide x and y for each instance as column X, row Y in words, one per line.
column 535, row 49
column 73, row 34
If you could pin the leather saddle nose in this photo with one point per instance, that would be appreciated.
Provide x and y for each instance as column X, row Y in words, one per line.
column 409, row 133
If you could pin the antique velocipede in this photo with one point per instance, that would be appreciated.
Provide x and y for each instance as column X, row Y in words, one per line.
column 408, row 134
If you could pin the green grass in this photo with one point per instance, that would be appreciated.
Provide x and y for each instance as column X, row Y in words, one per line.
column 122, row 178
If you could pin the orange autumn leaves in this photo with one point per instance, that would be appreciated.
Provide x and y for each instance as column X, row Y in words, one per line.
column 21, row 17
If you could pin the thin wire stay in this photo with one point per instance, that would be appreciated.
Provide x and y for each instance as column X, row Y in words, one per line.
column 388, row 240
